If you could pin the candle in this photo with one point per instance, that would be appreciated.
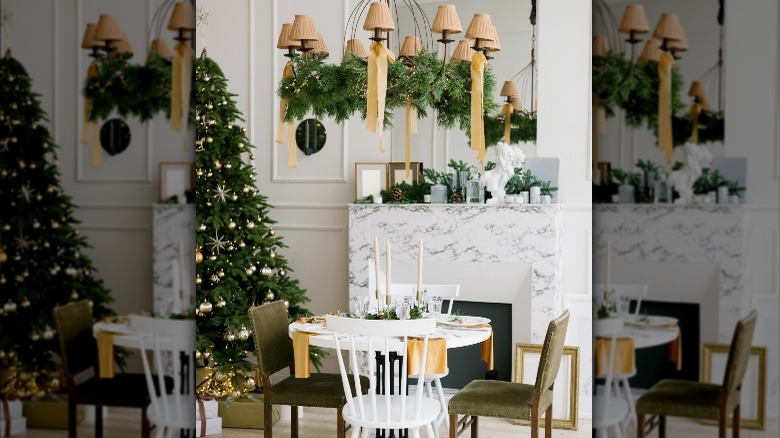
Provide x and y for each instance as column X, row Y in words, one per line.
column 181, row 269
column 606, row 271
column 419, row 270
column 376, row 265
column 387, row 273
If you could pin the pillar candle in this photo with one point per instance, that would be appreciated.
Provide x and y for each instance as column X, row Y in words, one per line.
column 387, row 273
column 419, row 268
column 606, row 270
column 376, row 264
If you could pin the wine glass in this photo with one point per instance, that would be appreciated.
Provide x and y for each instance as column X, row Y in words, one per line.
column 434, row 305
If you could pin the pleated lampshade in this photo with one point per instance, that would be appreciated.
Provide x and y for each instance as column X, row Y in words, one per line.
column 379, row 18
column 516, row 104
column 107, row 29
column 446, row 20
column 182, row 17
column 303, row 29
column 509, row 89
column 480, row 27
column 411, row 46
column 493, row 45
column 650, row 52
column 356, row 46
column 680, row 45
column 320, row 47
column 161, row 47
column 88, row 41
column 284, row 41
column 463, row 51
column 600, row 46
column 634, row 19
column 123, row 45
column 697, row 90
column 668, row 27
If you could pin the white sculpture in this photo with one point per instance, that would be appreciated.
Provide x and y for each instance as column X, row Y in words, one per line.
column 695, row 157
column 507, row 158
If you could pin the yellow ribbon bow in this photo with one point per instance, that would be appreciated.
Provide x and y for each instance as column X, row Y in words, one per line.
column 478, row 65
column 695, row 111
column 665, row 141
column 378, row 57
column 88, row 128
column 507, row 111
column 292, row 151
column 181, row 81
column 411, row 128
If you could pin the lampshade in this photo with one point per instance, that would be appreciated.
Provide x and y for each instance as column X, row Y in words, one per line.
column 88, row 41
column 303, row 29
column 516, row 104
column 123, row 45
column 161, row 47
column 493, row 45
column 182, row 17
column 680, row 45
column 463, row 51
column 480, row 27
column 509, row 89
column 634, row 19
column 600, row 46
column 668, row 27
column 650, row 52
column 379, row 18
column 411, row 46
column 697, row 90
column 107, row 29
column 284, row 41
column 446, row 19
column 356, row 46
column 319, row 46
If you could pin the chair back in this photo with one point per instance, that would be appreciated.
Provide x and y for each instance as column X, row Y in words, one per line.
column 385, row 336
column 273, row 346
column 636, row 292
column 739, row 353
column 447, row 291
column 172, row 343
column 552, row 351
column 78, row 347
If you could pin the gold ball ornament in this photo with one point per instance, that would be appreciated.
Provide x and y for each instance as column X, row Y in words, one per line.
column 250, row 225
column 48, row 333
column 220, row 302
column 9, row 307
column 272, row 255
column 209, row 140
column 235, row 394
column 249, row 383
column 231, row 225
column 221, row 273
column 272, row 232
column 228, row 166
column 243, row 334
column 3, row 255
column 230, row 337
column 198, row 280
column 266, row 271
column 214, row 278
column 198, row 354
column 25, row 303
column 54, row 384
column 205, row 307
column 217, row 165
column 269, row 295
column 282, row 272
column 220, row 377
column 35, row 337
column 74, row 296
column 198, row 257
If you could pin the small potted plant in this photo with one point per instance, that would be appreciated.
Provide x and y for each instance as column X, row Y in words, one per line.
column 547, row 190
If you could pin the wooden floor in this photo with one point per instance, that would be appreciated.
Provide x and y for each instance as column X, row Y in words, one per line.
column 320, row 423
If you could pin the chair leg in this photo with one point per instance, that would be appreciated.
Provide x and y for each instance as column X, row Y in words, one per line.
column 98, row 421
column 475, row 427
column 534, row 423
column 723, row 420
column 735, row 423
column 429, row 432
column 443, row 403
column 71, row 418
column 340, row 433
column 548, row 422
column 453, row 425
column 640, row 425
column 293, row 421
column 416, row 433
column 146, row 429
column 267, row 423
column 630, row 401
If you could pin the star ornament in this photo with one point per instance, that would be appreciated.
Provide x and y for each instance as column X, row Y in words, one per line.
column 22, row 243
column 221, row 192
column 217, row 243
column 26, row 193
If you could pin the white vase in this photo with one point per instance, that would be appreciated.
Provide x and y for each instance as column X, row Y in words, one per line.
column 734, row 199
column 626, row 194
column 546, row 199
column 536, row 195
column 525, row 196
column 723, row 195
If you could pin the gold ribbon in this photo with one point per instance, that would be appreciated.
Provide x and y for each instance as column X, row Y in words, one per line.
column 665, row 142
column 292, row 150
column 622, row 363
column 486, row 353
column 90, row 132
column 507, row 111
column 695, row 111
column 411, row 128
column 181, row 81
column 675, row 347
column 435, row 358
column 378, row 57
column 105, row 343
column 478, row 65
column 301, row 354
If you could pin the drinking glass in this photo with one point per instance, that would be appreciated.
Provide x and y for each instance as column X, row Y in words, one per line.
column 434, row 305
column 358, row 306
column 624, row 305
column 403, row 308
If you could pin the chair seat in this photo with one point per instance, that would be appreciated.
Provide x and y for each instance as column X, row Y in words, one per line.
column 609, row 415
column 429, row 410
column 492, row 398
column 320, row 390
column 124, row 390
column 681, row 398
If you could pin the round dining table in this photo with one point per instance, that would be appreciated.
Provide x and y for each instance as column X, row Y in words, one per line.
column 646, row 337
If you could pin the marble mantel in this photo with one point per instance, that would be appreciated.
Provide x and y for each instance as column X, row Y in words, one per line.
column 473, row 233
column 679, row 234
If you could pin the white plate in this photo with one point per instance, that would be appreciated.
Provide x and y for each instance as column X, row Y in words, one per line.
column 465, row 321
column 652, row 321
column 312, row 328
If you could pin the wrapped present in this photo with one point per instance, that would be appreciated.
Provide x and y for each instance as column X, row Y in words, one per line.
column 12, row 407
column 208, row 426
column 18, row 426
column 244, row 413
column 209, row 407
column 50, row 413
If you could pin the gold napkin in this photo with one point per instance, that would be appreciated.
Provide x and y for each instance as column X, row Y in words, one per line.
column 487, row 347
column 435, row 359
column 301, row 353
column 675, row 347
column 623, row 362
column 105, row 344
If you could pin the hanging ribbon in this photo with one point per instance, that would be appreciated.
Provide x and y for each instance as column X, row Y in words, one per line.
column 507, row 112
column 90, row 132
column 378, row 57
column 695, row 111
column 411, row 128
column 292, row 151
column 181, row 80
column 665, row 142
column 478, row 65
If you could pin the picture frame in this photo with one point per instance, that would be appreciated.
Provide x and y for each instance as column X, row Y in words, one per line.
column 396, row 172
column 566, row 383
column 176, row 179
column 370, row 179
column 753, row 413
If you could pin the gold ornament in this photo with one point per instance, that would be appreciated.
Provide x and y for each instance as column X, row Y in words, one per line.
column 198, row 257
column 74, row 296
column 286, row 304
column 273, row 254
column 198, row 355
column 269, row 295
column 35, row 337
column 221, row 273
column 220, row 302
column 249, row 271
column 205, row 307
column 272, row 232
column 198, row 280
column 243, row 334
column 220, row 377
column 250, row 225
column 54, row 384
column 282, row 272
column 235, row 394
column 266, row 271
column 217, row 165
column 249, row 383
column 231, row 225
column 9, row 307
column 214, row 279
column 230, row 337
column 25, row 303
column 48, row 333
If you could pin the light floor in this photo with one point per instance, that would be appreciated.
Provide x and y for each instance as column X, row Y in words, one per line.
column 320, row 423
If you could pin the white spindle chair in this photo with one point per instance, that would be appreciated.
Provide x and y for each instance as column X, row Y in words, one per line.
column 167, row 339
column 383, row 411
column 608, row 411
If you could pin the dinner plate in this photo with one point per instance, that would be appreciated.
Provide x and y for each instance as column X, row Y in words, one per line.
column 652, row 321
column 463, row 321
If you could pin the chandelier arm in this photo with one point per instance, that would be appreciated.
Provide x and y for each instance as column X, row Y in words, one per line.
column 158, row 20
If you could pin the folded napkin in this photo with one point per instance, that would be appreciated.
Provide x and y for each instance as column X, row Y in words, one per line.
column 435, row 359
column 301, row 353
column 623, row 362
column 675, row 347
column 105, row 344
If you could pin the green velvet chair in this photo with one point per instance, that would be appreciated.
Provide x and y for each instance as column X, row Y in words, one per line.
column 491, row 398
column 274, row 351
column 683, row 398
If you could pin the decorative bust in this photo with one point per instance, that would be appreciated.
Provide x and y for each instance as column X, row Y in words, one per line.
column 507, row 158
column 695, row 157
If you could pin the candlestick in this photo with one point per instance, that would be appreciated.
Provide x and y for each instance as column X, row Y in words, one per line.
column 387, row 273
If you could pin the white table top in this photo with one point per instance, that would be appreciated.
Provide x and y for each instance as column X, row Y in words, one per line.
column 456, row 338
column 645, row 337
column 124, row 337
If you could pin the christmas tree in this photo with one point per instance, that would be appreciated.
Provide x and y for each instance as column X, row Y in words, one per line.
column 237, row 249
column 42, row 264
